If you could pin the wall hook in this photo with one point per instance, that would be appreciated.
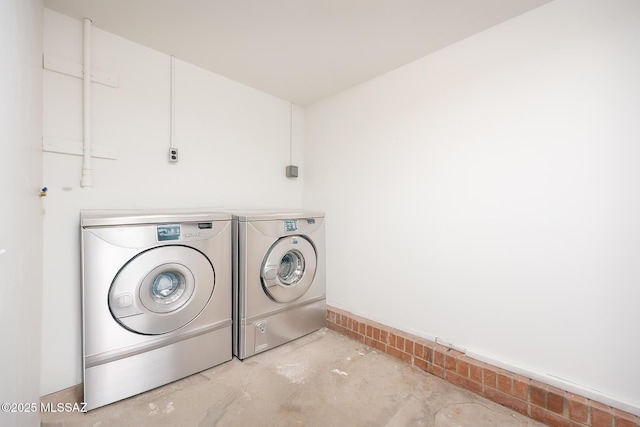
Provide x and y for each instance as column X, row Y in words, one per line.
column 43, row 192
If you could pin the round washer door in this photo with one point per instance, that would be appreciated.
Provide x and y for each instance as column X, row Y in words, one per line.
column 289, row 268
column 162, row 289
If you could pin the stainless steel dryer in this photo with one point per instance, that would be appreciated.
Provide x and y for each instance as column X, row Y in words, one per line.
column 279, row 278
column 156, row 291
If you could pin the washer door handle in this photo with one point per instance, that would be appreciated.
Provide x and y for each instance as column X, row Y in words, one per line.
column 124, row 300
column 124, row 305
column 270, row 272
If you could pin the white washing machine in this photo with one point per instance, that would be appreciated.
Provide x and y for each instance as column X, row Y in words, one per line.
column 279, row 278
column 157, row 294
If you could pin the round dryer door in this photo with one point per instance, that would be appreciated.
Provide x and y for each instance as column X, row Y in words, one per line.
column 289, row 268
column 162, row 289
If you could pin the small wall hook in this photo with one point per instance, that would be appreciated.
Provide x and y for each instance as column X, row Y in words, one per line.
column 43, row 192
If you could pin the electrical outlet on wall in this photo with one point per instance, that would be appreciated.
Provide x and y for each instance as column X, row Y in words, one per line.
column 173, row 155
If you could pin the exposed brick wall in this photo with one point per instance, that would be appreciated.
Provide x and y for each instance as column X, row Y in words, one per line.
column 542, row 402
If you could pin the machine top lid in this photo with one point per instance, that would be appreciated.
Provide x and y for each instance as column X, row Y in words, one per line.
column 274, row 214
column 106, row 217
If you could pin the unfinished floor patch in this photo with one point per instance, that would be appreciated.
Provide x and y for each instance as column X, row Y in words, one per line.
column 293, row 371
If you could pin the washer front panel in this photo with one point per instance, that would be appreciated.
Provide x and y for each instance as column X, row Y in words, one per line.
column 187, row 281
column 289, row 268
column 161, row 289
column 279, row 279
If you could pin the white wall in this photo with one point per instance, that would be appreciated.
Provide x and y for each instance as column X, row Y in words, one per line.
column 233, row 144
column 487, row 195
column 21, row 210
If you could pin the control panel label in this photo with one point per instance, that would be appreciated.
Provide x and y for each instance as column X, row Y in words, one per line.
column 168, row 232
column 290, row 225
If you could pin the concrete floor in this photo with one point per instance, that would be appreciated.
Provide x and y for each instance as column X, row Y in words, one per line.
column 323, row 379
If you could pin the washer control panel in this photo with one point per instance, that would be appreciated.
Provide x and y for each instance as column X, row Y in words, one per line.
column 184, row 231
column 168, row 232
column 290, row 225
column 301, row 224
